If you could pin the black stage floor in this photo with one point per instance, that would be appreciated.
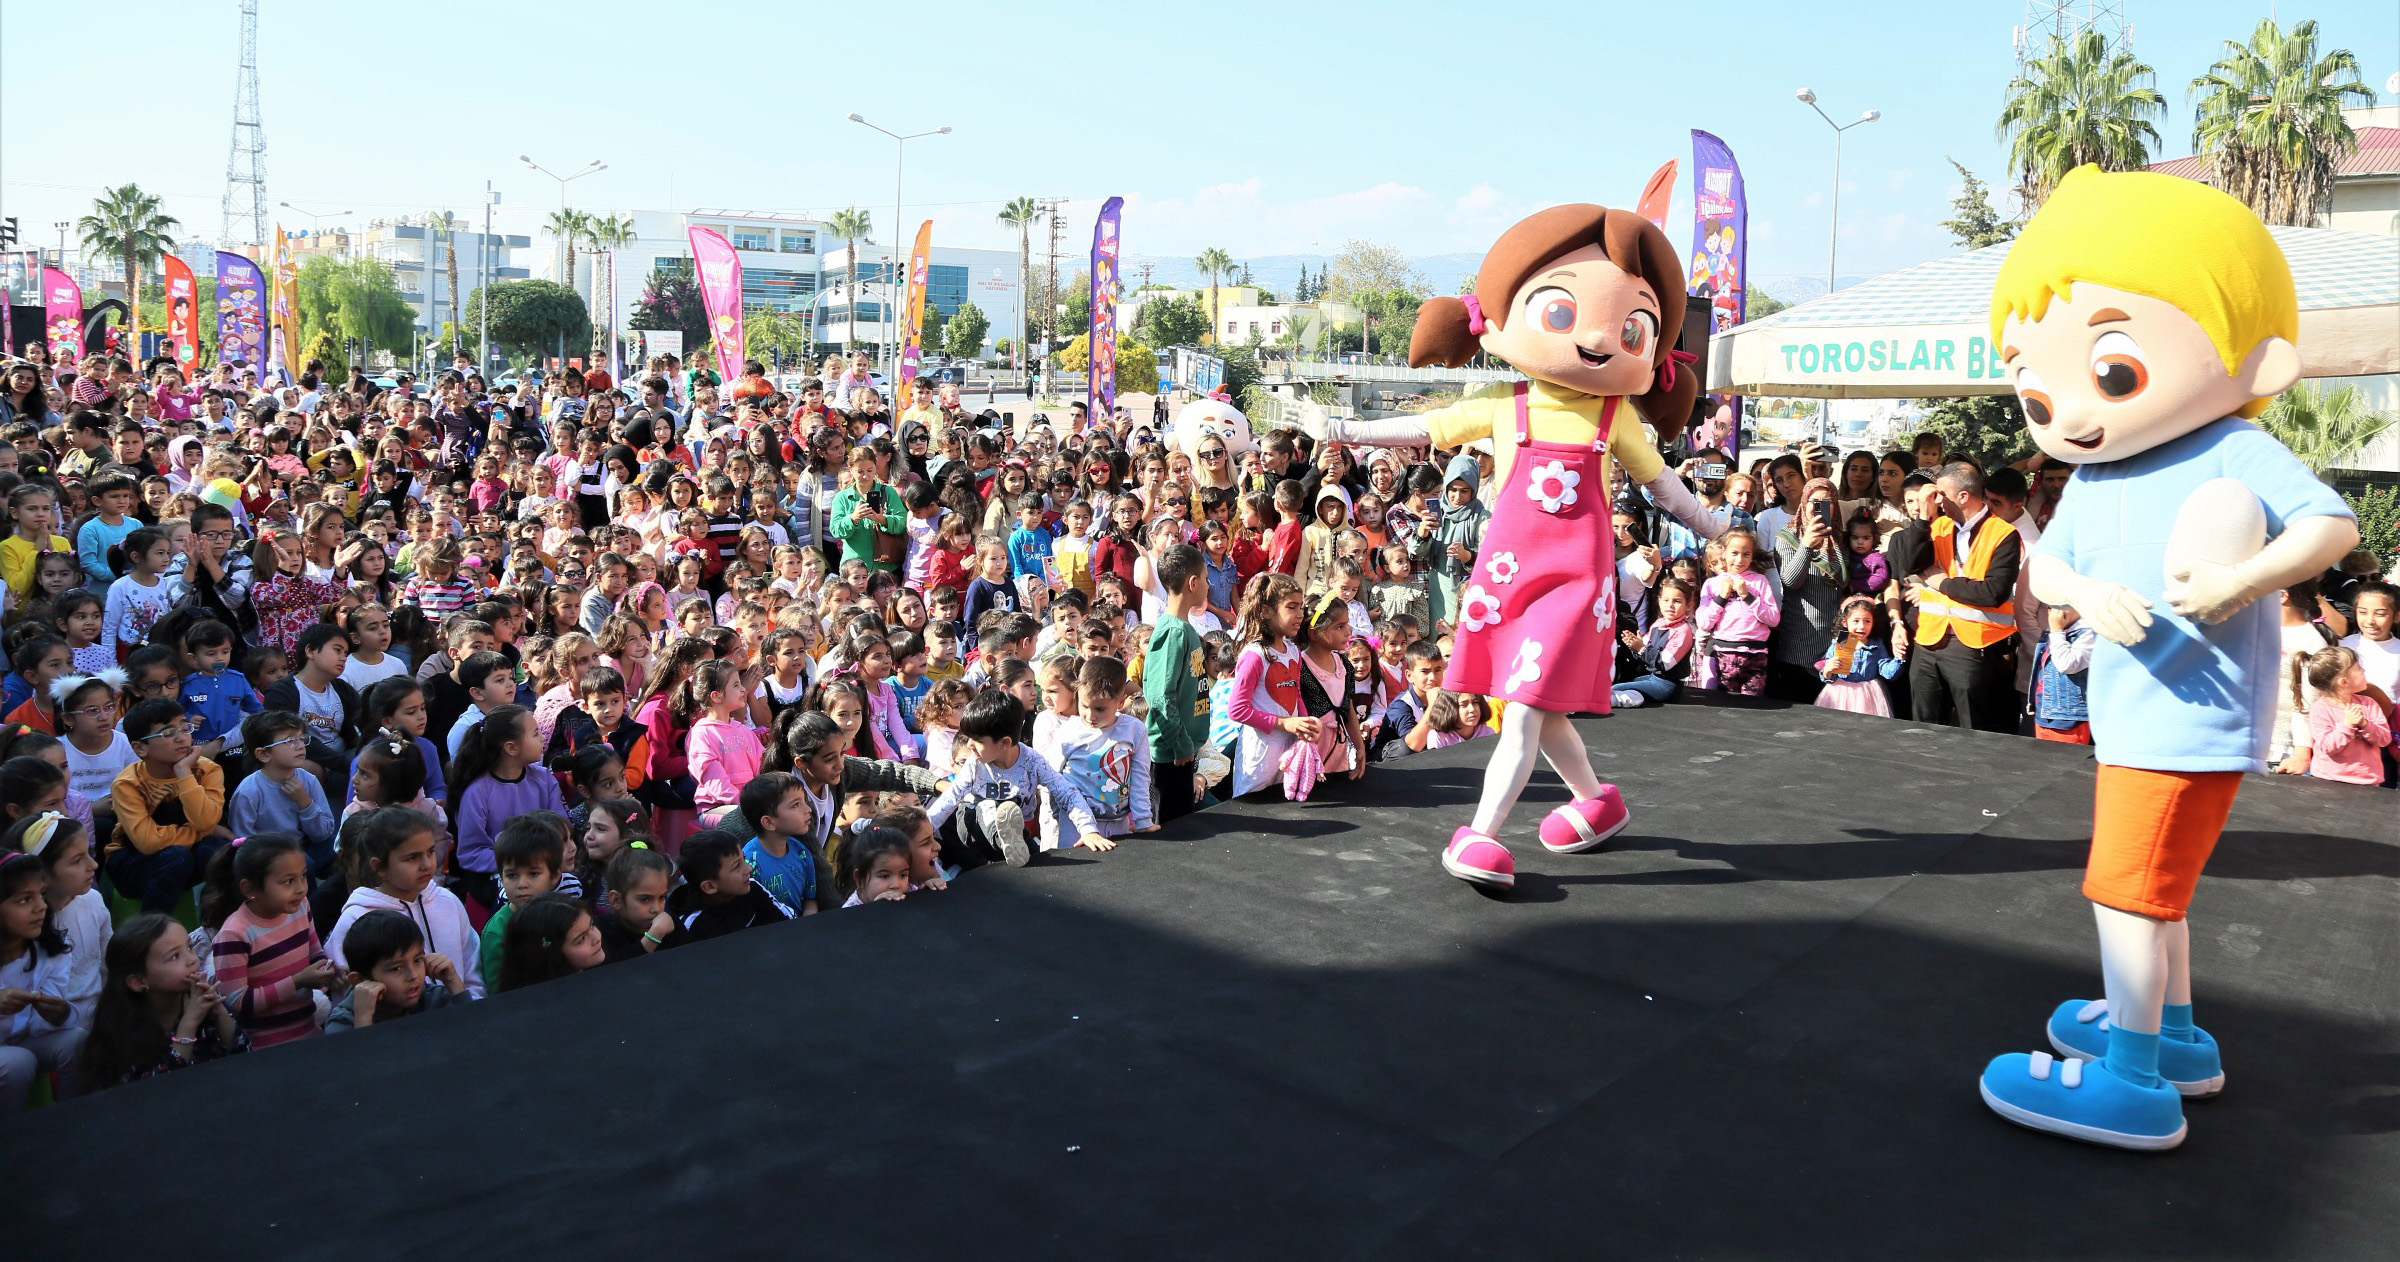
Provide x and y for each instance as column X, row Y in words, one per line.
column 1751, row 1028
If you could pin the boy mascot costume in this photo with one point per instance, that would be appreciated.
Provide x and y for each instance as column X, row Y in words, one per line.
column 1587, row 302
column 2142, row 318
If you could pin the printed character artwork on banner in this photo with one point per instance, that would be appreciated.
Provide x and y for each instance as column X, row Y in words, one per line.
column 183, row 316
column 284, row 328
column 1720, row 231
column 919, row 261
column 20, row 286
column 719, row 271
column 2143, row 319
column 1586, row 302
column 241, row 311
column 1101, row 377
column 62, row 315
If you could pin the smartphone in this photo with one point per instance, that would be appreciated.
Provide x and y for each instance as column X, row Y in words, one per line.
column 1824, row 512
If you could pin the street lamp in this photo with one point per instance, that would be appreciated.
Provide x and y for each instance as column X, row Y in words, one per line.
column 595, row 168
column 891, row 312
column 1833, row 230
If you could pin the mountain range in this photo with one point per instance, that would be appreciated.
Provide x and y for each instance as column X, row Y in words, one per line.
column 1278, row 274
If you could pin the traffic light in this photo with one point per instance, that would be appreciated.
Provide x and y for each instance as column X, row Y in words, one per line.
column 8, row 231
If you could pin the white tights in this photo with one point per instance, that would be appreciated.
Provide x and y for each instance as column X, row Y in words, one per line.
column 1524, row 731
column 2144, row 963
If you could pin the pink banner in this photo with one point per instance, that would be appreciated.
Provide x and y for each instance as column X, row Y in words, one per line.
column 183, row 316
column 719, row 271
column 62, row 315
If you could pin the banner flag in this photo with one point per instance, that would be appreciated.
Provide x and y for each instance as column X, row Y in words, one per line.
column 913, row 331
column 720, row 274
column 62, row 315
column 285, row 340
column 1720, row 266
column 1720, row 231
column 183, row 316
column 1100, row 374
column 241, row 312
column 1656, row 194
column 20, row 286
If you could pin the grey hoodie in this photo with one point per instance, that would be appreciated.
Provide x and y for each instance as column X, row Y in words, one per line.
column 1459, row 525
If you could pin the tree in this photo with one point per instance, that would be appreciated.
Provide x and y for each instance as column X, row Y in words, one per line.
column 964, row 337
column 1989, row 427
column 567, row 226
column 2270, row 121
column 2378, row 509
column 1758, row 304
column 127, row 223
column 772, row 336
column 324, row 349
column 1295, row 327
column 2322, row 427
column 532, row 317
column 2079, row 102
column 1137, row 365
column 852, row 225
column 1972, row 222
column 1364, row 266
column 357, row 299
column 671, row 300
column 441, row 225
column 1216, row 263
column 1019, row 213
column 1176, row 321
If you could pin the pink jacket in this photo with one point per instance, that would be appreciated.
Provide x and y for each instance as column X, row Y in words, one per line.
column 724, row 757
column 884, row 725
column 2342, row 752
column 1739, row 623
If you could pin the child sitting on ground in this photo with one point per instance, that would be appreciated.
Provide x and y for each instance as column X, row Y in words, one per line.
column 1663, row 650
column 392, row 976
column 776, row 807
column 1104, row 752
column 528, row 855
column 717, row 896
column 267, row 959
column 879, row 866
column 996, row 789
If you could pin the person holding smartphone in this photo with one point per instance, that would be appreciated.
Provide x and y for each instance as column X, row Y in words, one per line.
column 1816, row 576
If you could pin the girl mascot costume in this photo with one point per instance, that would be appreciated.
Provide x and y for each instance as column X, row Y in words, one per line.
column 2142, row 318
column 1585, row 301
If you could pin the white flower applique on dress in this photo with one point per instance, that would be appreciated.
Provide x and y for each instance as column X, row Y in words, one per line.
column 1553, row 486
column 1477, row 609
column 1502, row 567
column 1528, row 667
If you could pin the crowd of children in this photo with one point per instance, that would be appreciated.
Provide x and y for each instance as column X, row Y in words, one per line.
column 331, row 705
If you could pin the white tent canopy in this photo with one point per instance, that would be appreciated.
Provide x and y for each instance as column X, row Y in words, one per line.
column 1925, row 331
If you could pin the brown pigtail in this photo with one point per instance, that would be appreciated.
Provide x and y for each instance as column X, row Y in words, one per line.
column 1441, row 336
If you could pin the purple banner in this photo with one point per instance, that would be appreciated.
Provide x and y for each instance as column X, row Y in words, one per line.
column 241, row 312
column 1720, row 231
column 1101, row 374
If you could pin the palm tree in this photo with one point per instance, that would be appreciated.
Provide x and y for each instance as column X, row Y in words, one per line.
column 127, row 223
column 852, row 225
column 2080, row 102
column 605, row 234
column 2270, row 120
column 1019, row 213
column 441, row 225
column 567, row 226
column 1216, row 263
column 2322, row 427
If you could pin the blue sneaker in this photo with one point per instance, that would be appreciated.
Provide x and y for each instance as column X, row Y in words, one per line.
column 2080, row 1029
column 2083, row 1101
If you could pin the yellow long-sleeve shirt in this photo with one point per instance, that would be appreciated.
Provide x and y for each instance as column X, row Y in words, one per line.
column 1553, row 415
column 137, row 795
column 17, row 558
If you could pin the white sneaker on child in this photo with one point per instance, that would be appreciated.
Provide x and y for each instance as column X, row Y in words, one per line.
column 1625, row 699
column 1005, row 821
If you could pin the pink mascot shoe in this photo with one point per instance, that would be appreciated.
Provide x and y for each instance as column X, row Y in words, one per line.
column 1585, row 824
column 1479, row 860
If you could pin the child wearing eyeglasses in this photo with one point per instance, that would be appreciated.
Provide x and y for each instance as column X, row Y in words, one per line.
column 278, row 799
column 170, row 808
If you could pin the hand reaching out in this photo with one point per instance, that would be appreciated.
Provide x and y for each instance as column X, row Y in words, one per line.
column 1094, row 841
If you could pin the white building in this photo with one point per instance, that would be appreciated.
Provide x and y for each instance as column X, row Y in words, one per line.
column 954, row 277
column 420, row 258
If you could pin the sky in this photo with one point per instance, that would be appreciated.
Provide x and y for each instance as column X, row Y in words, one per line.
column 1264, row 129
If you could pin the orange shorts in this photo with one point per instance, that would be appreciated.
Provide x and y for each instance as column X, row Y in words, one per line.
column 2152, row 832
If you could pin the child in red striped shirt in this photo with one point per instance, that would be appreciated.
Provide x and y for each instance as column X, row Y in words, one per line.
column 266, row 951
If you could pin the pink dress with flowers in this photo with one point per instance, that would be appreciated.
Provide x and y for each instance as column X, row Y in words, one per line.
column 1537, row 617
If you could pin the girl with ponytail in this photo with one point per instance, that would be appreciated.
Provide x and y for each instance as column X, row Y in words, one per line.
column 1586, row 302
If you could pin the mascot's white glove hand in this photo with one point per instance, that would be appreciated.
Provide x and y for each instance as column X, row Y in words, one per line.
column 2208, row 591
column 2117, row 612
column 1310, row 417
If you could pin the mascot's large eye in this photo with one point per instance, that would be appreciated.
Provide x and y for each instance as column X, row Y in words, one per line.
column 2035, row 396
column 2118, row 366
column 1554, row 307
column 1640, row 328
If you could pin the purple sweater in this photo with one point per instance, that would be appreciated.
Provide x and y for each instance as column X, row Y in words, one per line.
column 486, row 806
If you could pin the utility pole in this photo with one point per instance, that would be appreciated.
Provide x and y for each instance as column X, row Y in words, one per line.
column 483, row 281
column 1050, row 206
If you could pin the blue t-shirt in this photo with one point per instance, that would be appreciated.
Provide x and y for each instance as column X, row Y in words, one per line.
column 2188, row 697
column 910, row 698
column 792, row 879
